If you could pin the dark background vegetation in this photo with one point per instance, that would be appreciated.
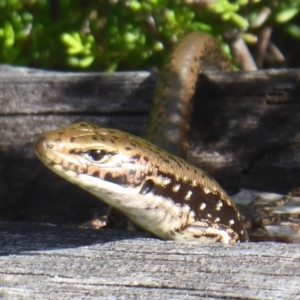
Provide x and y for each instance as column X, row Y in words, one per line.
column 109, row 35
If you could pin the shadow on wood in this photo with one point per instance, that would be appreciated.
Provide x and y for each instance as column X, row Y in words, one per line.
column 245, row 133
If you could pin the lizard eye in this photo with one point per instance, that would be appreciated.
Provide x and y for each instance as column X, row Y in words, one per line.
column 96, row 155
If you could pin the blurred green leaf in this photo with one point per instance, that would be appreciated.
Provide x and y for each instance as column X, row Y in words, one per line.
column 286, row 15
column 8, row 35
column 294, row 30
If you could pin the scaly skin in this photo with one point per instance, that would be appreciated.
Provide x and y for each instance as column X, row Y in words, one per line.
column 156, row 190
column 160, row 192
column 170, row 117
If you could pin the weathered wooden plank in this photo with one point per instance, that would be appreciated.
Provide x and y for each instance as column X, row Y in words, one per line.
column 48, row 262
column 29, row 91
column 246, row 132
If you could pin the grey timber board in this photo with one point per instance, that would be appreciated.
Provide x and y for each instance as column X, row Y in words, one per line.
column 48, row 262
column 245, row 132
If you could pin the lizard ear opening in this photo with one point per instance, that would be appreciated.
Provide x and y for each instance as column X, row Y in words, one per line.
column 148, row 187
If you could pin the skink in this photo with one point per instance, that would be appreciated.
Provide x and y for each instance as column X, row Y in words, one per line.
column 158, row 191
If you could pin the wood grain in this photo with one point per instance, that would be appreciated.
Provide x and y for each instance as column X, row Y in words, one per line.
column 48, row 262
column 246, row 132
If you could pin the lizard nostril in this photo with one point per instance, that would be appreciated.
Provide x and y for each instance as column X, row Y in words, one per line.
column 49, row 145
column 42, row 145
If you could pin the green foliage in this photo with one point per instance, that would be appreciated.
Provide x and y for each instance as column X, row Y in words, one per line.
column 125, row 34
